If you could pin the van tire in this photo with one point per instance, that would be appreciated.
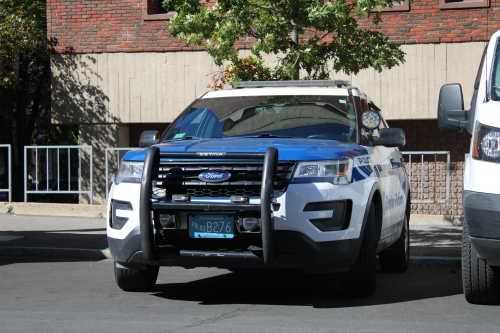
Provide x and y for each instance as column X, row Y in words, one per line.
column 362, row 275
column 136, row 279
column 397, row 257
column 481, row 281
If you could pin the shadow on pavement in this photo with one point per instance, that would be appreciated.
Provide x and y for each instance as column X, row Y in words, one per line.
column 81, row 239
column 4, row 261
column 436, row 241
column 296, row 288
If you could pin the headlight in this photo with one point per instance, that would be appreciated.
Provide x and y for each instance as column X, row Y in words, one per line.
column 130, row 172
column 337, row 172
column 486, row 143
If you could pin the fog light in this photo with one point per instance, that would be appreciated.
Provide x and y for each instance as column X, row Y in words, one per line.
column 167, row 221
column 250, row 223
column 181, row 197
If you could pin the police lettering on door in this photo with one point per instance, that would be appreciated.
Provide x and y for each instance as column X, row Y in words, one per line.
column 393, row 202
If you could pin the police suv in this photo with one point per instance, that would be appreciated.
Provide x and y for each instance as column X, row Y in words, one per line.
column 269, row 175
column 481, row 187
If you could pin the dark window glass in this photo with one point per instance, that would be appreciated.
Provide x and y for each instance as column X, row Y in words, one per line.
column 314, row 117
column 495, row 75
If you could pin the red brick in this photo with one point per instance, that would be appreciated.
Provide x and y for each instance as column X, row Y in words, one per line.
column 424, row 23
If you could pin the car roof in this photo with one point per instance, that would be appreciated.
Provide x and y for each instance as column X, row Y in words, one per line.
column 286, row 88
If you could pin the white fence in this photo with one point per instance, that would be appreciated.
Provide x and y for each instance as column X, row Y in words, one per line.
column 421, row 178
column 6, row 164
column 49, row 177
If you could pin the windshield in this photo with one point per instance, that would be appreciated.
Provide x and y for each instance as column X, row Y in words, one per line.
column 314, row 117
column 495, row 77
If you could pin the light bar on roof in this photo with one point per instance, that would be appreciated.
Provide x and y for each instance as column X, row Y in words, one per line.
column 308, row 83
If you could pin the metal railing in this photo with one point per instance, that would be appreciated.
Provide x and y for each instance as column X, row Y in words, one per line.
column 9, row 172
column 49, row 169
column 118, row 163
column 421, row 194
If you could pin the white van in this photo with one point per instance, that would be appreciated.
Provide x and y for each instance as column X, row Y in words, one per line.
column 481, row 187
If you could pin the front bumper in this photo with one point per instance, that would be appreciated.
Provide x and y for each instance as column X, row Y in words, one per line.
column 291, row 249
column 482, row 216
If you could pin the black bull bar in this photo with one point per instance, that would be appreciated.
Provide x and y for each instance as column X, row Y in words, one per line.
column 150, row 172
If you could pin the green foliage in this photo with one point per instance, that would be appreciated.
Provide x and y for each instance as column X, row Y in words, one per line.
column 51, row 134
column 279, row 27
column 22, row 31
column 245, row 69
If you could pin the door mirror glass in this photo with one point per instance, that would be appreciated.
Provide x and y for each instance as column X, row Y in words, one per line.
column 451, row 114
column 389, row 137
column 148, row 138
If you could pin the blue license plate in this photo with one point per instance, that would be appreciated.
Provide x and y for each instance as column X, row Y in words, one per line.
column 211, row 226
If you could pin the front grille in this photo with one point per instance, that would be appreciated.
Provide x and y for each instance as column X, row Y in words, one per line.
column 246, row 178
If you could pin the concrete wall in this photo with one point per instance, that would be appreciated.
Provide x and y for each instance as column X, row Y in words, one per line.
column 156, row 87
column 100, row 137
column 411, row 91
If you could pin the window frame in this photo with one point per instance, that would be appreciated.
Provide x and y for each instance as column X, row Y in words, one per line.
column 404, row 6
column 495, row 66
column 464, row 4
column 152, row 12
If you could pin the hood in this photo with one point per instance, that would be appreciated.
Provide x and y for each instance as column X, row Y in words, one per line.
column 289, row 149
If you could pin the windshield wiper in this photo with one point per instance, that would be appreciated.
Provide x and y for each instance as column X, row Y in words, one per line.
column 187, row 137
column 267, row 135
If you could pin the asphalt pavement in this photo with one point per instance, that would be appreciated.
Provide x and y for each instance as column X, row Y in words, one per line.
column 80, row 295
column 55, row 236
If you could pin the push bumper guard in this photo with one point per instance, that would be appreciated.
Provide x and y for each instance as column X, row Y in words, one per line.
column 150, row 172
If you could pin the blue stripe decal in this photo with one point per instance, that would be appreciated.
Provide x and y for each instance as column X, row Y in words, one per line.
column 361, row 173
column 357, row 176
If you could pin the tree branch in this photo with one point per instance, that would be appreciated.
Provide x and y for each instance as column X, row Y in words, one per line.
column 271, row 7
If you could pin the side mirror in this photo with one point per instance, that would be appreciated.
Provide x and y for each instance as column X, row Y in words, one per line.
column 148, row 138
column 389, row 137
column 451, row 114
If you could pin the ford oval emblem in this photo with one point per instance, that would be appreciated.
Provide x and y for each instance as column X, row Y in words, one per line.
column 214, row 176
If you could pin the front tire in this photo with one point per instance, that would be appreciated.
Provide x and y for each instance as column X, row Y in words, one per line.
column 362, row 275
column 481, row 281
column 136, row 279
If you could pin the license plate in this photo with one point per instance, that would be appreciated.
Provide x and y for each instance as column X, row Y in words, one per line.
column 211, row 226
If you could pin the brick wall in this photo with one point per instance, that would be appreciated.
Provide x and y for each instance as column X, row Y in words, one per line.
column 425, row 135
column 427, row 23
column 96, row 26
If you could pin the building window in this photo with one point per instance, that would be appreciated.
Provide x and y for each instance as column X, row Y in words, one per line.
column 155, row 11
column 397, row 7
column 454, row 4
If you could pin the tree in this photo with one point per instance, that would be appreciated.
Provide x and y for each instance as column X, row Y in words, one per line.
column 24, row 78
column 306, row 34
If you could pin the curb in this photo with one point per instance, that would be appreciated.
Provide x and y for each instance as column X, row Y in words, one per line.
column 20, row 251
column 52, row 209
column 99, row 211
column 454, row 262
